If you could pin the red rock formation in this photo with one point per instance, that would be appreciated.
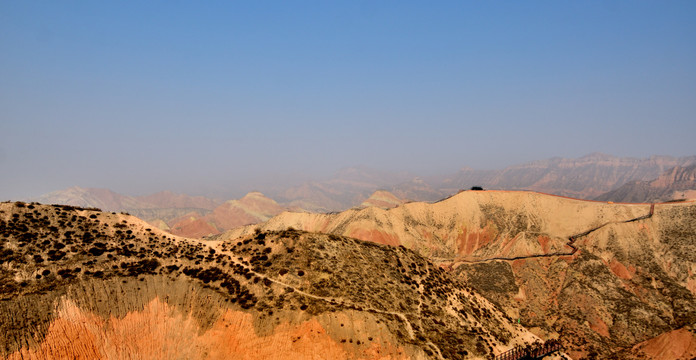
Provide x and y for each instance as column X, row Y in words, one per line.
column 674, row 345
column 192, row 225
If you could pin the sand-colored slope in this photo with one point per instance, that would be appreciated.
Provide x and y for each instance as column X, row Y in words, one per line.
column 84, row 284
column 470, row 225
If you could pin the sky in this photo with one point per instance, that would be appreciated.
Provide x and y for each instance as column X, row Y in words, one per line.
column 204, row 97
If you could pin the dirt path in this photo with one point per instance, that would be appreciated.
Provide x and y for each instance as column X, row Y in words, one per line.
column 331, row 300
column 571, row 242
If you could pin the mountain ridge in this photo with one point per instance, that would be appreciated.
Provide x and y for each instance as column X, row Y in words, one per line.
column 627, row 254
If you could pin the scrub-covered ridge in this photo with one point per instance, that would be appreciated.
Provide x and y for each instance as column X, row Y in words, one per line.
column 80, row 283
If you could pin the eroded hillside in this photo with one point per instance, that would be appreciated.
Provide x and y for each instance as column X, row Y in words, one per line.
column 633, row 278
column 78, row 283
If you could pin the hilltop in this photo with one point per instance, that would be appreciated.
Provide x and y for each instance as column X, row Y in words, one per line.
column 633, row 278
column 382, row 199
column 80, row 283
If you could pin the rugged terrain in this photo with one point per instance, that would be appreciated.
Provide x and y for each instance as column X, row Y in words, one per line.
column 83, row 284
column 632, row 281
column 678, row 183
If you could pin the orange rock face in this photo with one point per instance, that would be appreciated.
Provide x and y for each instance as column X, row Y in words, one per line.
column 599, row 326
column 161, row 332
column 375, row 236
column 192, row 225
column 620, row 270
column 469, row 242
column 677, row 344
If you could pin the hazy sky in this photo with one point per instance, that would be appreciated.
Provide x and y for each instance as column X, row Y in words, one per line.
column 195, row 96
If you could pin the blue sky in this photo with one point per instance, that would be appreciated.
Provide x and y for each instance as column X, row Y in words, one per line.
column 146, row 96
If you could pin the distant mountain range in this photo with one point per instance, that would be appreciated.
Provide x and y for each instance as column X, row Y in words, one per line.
column 586, row 178
column 251, row 209
column 583, row 178
column 108, row 200
column 675, row 184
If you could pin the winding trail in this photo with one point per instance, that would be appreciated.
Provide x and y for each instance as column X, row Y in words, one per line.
column 331, row 300
column 571, row 242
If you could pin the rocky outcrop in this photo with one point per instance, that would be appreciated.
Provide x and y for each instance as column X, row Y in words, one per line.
column 192, row 225
column 676, row 344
